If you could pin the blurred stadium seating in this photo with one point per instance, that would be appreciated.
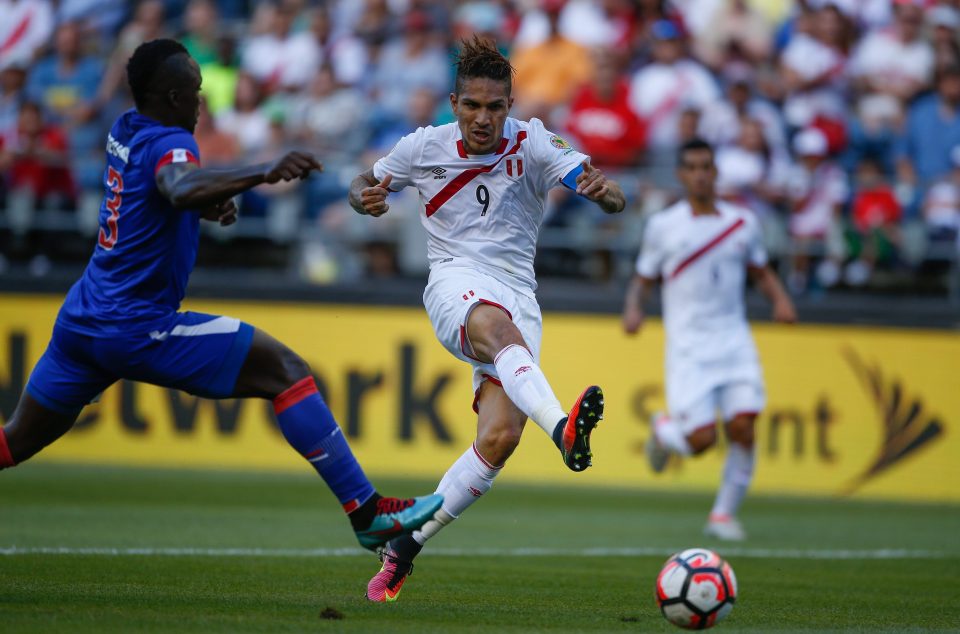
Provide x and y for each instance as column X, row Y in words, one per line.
column 837, row 121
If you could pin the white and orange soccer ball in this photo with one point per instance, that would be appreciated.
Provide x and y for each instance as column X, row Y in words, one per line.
column 696, row 589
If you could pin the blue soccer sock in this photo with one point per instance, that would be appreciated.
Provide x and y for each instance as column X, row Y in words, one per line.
column 309, row 427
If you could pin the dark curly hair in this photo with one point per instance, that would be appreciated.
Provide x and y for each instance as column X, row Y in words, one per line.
column 479, row 57
column 145, row 62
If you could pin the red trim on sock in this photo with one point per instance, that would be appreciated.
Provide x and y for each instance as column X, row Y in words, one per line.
column 6, row 459
column 484, row 460
column 294, row 394
column 351, row 506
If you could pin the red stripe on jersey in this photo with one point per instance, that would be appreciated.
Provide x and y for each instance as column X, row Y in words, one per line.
column 509, row 168
column 696, row 255
column 17, row 33
column 519, row 167
column 464, row 177
column 167, row 159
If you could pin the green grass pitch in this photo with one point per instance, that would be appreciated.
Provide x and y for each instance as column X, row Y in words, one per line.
column 192, row 551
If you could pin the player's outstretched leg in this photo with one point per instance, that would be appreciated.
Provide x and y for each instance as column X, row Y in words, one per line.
column 737, row 475
column 273, row 371
column 499, row 428
column 32, row 427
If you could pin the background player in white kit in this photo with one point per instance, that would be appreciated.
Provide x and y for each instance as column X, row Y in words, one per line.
column 701, row 249
column 483, row 181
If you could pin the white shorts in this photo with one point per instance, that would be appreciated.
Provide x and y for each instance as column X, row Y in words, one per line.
column 454, row 291
column 729, row 399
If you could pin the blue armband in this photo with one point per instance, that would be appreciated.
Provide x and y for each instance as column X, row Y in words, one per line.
column 570, row 180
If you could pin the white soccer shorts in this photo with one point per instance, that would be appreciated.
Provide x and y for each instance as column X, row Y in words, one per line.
column 454, row 291
column 729, row 399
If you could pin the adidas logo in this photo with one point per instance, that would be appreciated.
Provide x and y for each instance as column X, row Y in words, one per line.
column 438, row 173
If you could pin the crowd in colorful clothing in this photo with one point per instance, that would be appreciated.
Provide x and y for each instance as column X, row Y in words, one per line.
column 836, row 121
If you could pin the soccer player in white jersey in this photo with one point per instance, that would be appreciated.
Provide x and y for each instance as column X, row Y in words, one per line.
column 483, row 181
column 701, row 249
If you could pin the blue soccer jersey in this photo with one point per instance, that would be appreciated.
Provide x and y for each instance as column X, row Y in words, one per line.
column 145, row 249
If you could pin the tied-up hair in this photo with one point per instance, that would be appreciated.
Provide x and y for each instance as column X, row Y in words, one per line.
column 479, row 57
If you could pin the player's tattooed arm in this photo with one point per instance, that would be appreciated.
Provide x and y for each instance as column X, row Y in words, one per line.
column 187, row 186
column 594, row 185
column 368, row 196
column 767, row 282
column 637, row 294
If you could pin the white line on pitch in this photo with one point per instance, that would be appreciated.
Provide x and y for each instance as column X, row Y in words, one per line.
column 753, row 553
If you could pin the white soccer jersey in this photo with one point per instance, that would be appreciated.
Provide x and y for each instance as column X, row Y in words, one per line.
column 702, row 262
column 485, row 210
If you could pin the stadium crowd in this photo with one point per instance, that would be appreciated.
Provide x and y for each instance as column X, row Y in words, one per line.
column 837, row 121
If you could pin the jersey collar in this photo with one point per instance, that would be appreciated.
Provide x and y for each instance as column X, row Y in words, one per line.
column 462, row 151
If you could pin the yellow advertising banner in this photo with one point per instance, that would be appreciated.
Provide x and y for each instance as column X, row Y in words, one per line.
column 851, row 410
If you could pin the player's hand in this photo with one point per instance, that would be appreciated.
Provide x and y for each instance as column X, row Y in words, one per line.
column 290, row 166
column 632, row 320
column 374, row 198
column 784, row 312
column 225, row 213
column 591, row 183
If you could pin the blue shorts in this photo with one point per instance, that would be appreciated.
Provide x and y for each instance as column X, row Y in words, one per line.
column 197, row 353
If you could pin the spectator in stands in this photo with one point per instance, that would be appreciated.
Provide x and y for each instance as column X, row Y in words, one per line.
column 35, row 165
column 220, row 76
column 875, row 223
column 344, row 53
column 895, row 61
column 601, row 119
column 13, row 79
column 941, row 207
column 331, row 120
column 750, row 173
column 735, row 25
column 65, row 85
column 931, row 132
column 282, row 58
column 25, row 29
column 944, row 21
column 548, row 73
column 817, row 190
column 35, row 159
column 200, row 26
column 672, row 83
column 247, row 121
column 147, row 25
column 407, row 64
column 814, row 68
column 720, row 124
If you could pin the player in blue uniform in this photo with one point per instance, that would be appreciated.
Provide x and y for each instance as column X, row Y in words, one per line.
column 121, row 320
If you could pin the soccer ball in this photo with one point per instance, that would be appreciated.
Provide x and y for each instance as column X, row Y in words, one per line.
column 696, row 589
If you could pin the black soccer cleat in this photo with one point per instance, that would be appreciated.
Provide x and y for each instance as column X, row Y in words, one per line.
column 585, row 415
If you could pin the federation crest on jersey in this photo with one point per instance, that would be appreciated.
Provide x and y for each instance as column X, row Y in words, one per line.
column 513, row 166
column 559, row 142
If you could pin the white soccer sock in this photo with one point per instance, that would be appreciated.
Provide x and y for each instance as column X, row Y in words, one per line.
column 670, row 436
column 464, row 482
column 527, row 387
column 737, row 474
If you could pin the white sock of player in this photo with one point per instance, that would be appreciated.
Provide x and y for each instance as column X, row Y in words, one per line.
column 737, row 474
column 463, row 484
column 670, row 436
column 527, row 387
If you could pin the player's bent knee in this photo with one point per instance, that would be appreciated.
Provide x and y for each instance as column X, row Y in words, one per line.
column 498, row 445
column 702, row 439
